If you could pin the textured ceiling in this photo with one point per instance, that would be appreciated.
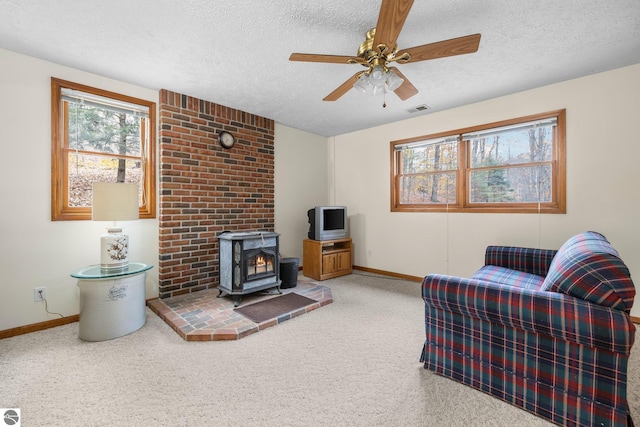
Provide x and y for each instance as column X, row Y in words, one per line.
column 235, row 52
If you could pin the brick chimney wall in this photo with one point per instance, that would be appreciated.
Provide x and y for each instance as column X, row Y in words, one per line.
column 206, row 189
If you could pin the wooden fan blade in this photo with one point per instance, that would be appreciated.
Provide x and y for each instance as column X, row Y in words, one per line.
column 332, row 59
column 391, row 19
column 406, row 89
column 442, row 49
column 343, row 88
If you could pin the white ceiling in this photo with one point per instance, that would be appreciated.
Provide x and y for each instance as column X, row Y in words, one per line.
column 235, row 52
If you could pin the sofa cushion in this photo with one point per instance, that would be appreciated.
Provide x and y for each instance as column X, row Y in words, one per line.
column 588, row 267
column 507, row 276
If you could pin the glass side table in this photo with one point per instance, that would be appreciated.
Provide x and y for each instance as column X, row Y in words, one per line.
column 112, row 301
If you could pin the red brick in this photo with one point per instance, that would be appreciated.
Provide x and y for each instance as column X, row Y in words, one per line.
column 193, row 168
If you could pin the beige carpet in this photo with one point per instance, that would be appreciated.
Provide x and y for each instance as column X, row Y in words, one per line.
column 353, row 363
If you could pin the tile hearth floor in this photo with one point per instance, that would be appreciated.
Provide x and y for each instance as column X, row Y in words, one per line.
column 202, row 316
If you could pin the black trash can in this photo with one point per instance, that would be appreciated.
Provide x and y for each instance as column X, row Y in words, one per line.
column 289, row 272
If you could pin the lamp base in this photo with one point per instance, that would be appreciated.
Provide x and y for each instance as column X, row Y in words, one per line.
column 114, row 249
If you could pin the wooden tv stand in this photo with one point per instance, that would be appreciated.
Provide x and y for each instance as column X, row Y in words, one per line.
column 327, row 258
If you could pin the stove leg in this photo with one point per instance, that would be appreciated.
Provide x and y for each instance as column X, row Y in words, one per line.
column 219, row 294
column 237, row 300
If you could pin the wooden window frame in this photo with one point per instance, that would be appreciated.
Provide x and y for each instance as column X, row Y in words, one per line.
column 462, row 204
column 60, row 210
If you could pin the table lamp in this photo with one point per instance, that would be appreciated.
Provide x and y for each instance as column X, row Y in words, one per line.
column 114, row 202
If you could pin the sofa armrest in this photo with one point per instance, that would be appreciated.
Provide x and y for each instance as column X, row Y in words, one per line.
column 550, row 313
column 528, row 260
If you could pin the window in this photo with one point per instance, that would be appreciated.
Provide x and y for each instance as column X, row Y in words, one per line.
column 515, row 166
column 99, row 136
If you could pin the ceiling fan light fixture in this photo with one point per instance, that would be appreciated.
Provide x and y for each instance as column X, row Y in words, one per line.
column 377, row 76
column 376, row 90
column 378, row 81
column 393, row 81
column 362, row 83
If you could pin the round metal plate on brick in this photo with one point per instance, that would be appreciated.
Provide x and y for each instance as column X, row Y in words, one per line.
column 226, row 139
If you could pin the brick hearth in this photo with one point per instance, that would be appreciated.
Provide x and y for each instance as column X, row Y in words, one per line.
column 202, row 316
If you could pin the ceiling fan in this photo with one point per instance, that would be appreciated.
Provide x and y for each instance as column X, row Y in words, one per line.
column 380, row 49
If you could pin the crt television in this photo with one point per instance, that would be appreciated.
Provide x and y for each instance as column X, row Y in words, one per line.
column 327, row 222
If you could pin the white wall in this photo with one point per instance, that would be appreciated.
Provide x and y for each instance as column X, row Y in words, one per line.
column 36, row 251
column 351, row 169
column 603, row 182
column 300, row 184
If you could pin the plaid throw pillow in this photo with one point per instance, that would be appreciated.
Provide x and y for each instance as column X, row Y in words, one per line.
column 588, row 267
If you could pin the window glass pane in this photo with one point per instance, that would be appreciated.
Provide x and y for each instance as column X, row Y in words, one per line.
column 524, row 184
column 84, row 170
column 510, row 147
column 103, row 130
column 99, row 136
column 430, row 158
column 512, row 166
column 428, row 189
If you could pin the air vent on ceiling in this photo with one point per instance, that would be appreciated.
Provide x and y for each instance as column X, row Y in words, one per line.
column 423, row 107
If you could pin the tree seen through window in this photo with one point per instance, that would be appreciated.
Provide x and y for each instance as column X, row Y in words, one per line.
column 99, row 136
column 511, row 166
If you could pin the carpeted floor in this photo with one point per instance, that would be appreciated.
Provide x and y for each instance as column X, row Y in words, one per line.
column 351, row 363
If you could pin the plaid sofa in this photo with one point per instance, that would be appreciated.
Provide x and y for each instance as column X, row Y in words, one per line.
column 548, row 331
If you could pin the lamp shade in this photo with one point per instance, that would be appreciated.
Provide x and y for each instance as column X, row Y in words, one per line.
column 115, row 201
column 377, row 76
column 362, row 83
column 393, row 81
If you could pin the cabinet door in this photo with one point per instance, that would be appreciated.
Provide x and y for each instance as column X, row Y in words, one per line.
column 344, row 260
column 328, row 263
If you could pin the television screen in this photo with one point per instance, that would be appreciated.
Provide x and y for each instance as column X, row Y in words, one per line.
column 327, row 222
column 333, row 219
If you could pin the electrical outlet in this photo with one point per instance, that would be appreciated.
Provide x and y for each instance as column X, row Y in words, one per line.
column 39, row 294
